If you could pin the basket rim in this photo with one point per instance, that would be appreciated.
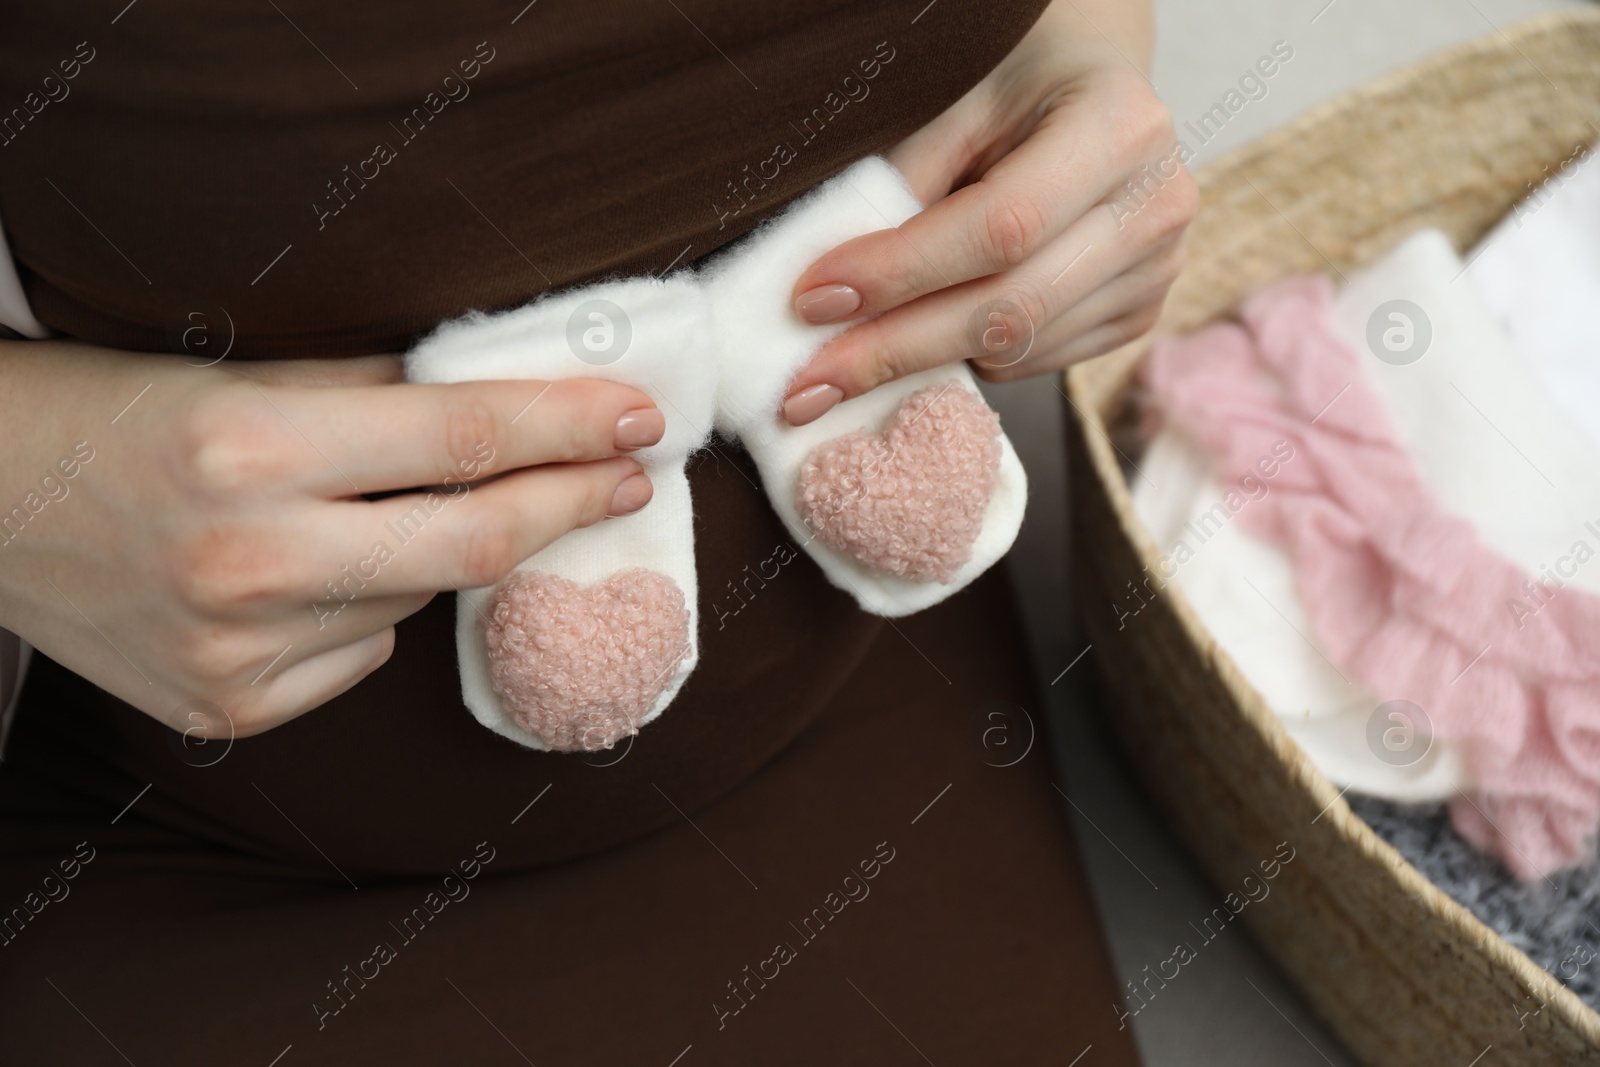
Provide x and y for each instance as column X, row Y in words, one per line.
column 1086, row 396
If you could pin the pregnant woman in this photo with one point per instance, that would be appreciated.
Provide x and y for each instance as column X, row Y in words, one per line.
column 235, row 828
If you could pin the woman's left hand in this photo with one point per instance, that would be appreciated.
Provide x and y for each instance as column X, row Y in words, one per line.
column 1060, row 242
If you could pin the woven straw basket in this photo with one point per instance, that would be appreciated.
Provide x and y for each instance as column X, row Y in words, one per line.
column 1404, row 974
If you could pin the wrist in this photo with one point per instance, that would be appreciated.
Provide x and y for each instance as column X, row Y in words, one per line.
column 1125, row 29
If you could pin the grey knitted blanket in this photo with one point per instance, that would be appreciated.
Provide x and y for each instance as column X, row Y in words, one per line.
column 1556, row 921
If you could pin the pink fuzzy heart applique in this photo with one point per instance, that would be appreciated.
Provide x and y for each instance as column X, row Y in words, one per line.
column 908, row 501
column 578, row 668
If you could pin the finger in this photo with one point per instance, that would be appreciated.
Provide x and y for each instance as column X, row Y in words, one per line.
column 1063, row 344
column 339, row 617
column 360, row 370
column 317, row 680
column 994, row 320
column 1097, row 341
column 315, row 629
column 366, row 439
column 321, row 553
column 249, row 648
column 1143, row 286
column 999, row 222
column 470, row 536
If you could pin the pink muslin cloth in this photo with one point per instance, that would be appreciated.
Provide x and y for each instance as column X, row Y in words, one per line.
column 1402, row 594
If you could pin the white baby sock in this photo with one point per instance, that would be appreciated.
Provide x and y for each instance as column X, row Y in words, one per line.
column 593, row 636
column 902, row 496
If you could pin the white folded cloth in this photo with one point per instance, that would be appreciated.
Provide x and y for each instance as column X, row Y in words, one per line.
column 1539, row 274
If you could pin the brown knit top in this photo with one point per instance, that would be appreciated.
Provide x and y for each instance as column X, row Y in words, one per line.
column 338, row 178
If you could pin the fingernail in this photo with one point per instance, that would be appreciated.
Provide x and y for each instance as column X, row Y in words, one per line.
column 811, row 403
column 640, row 428
column 827, row 303
column 634, row 493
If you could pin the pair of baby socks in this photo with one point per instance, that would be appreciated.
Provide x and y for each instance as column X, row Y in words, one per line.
column 902, row 496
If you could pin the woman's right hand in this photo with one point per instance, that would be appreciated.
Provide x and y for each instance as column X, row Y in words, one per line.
column 185, row 536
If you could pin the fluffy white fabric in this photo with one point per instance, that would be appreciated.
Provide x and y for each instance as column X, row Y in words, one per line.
column 716, row 346
column 1491, row 443
column 761, row 343
column 665, row 356
column 1539, row 273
